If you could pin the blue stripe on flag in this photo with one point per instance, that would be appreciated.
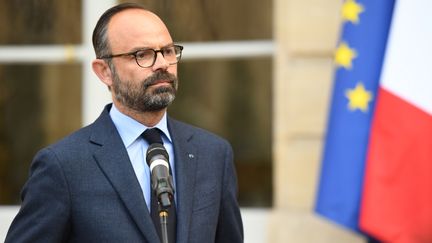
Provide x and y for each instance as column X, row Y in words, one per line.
column 342, row 168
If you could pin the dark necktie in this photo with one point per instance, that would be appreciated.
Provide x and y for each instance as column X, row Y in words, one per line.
column 153, row 135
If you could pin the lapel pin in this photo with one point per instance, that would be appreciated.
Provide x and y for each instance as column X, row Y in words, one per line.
column 191, row 156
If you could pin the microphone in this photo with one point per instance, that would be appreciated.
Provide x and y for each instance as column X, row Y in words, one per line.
column 161, row 180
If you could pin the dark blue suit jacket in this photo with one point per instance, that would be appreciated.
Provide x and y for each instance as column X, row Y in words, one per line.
column 84, row 189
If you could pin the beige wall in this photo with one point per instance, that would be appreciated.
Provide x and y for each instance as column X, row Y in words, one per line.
column 305, row 35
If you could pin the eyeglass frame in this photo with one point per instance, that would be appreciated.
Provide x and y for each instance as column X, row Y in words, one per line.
column 134, row 54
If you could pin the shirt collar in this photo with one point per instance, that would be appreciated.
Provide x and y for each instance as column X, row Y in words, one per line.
column 130, row 129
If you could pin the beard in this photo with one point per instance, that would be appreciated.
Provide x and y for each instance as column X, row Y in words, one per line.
column 139, row 96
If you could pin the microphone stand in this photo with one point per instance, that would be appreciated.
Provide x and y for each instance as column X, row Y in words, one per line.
column 164, row 202
column 163, row 215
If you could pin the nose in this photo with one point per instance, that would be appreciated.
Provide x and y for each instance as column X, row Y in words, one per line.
column 160, row 62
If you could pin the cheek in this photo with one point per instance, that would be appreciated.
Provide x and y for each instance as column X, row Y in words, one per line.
column 135, row 75
column 172, row 69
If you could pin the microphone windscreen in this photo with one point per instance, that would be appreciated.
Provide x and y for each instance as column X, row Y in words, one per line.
column 156, row 151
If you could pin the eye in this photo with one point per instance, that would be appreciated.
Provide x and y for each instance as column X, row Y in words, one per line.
column 169, row 51
column 144, row 54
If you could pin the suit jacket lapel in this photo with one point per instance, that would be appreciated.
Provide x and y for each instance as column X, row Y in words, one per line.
column 185, row 168
column 114, row 161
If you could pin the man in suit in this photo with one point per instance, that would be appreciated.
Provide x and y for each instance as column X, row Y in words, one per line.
column 94, row 185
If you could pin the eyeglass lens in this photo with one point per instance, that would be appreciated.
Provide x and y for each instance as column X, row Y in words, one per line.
column 146, row 58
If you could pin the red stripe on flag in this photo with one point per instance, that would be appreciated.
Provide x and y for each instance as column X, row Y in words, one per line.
column 397, row 198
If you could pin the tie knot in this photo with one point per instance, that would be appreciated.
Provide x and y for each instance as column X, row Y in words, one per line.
column 152, row 135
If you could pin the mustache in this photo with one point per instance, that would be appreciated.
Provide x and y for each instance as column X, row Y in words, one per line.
column 162, row 75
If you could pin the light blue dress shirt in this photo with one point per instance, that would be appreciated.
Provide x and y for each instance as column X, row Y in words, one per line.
column 130, row 132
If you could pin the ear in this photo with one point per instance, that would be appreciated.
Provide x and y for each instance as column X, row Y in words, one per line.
column 102, row 70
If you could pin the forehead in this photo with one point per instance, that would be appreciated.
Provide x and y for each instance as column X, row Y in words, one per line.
column 136, row 28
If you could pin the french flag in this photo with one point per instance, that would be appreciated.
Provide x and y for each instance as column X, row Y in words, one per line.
column 376, row 175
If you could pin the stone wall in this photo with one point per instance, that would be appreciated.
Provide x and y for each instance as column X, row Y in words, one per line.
column 305, row 35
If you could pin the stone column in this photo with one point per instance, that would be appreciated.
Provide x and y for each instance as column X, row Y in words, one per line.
column 305, row 34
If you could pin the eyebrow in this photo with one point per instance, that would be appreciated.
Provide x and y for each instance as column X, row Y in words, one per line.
column 147, row 47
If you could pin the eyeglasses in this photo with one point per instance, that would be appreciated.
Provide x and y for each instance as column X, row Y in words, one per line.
column 147, row 57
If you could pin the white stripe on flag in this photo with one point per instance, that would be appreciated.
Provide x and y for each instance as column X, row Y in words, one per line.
column 407, row 70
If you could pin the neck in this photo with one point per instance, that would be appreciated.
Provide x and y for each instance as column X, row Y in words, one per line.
column 147, row 118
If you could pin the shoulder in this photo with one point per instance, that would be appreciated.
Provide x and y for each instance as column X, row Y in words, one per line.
column 78, row 138
column 95, row 134
column 190, row 132
column 64, row 153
